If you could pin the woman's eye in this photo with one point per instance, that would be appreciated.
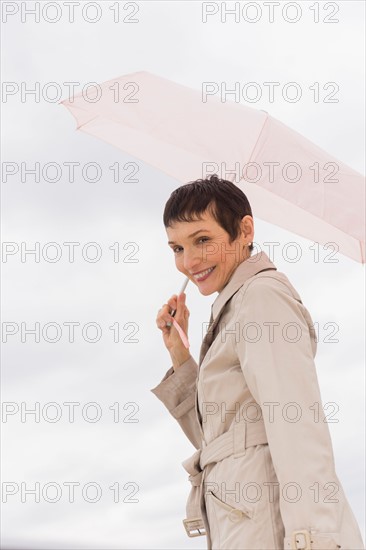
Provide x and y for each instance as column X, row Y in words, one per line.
column 200, row 239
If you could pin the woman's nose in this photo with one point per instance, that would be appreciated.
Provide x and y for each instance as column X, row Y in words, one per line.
column 191, row 260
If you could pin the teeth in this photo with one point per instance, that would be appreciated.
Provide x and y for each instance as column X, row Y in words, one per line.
column 203, row 274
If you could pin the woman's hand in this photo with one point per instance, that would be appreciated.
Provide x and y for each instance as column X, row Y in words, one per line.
column 172, row 340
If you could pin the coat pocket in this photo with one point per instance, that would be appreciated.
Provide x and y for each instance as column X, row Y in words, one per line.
column 236, row 511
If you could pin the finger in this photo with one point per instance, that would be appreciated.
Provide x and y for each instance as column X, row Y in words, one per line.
column 165, row 310
column 163, row 319
column 181, row 304
column 172, row 302
column 164, row 316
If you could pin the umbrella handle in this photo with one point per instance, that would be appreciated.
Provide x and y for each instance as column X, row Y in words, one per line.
column 181, row 332
column 180, row 292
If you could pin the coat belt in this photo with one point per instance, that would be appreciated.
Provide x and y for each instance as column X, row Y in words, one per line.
column 241, row 434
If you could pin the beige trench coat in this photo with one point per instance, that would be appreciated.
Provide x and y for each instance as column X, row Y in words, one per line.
column 263, row 475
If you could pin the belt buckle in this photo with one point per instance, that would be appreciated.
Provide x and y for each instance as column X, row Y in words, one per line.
column 305, row 543
column 194, row 524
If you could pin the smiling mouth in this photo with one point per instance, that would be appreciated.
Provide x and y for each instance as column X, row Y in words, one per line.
column 203, row 274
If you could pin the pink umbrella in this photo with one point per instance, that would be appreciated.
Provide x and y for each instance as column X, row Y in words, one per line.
column 289, row 181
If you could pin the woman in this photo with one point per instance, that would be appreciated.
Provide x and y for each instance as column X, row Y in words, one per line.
column 263, row 475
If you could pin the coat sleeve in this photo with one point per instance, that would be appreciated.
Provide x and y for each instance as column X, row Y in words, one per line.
column 177, row 391
column 276, row 355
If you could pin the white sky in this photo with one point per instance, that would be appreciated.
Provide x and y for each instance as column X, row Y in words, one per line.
column 170, row 40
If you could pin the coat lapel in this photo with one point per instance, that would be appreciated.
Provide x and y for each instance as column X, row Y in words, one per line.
column 245, row 270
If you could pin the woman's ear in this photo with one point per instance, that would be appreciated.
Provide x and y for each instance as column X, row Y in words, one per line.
column 247, row 226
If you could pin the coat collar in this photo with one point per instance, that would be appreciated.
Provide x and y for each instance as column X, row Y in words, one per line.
column 246, row 269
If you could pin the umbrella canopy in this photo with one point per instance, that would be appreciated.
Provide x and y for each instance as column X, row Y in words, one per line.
column 289, row 181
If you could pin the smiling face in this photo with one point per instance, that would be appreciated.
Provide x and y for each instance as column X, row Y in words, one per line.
column 203, row 245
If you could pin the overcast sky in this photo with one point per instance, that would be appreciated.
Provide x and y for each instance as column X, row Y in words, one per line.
column 136, row 446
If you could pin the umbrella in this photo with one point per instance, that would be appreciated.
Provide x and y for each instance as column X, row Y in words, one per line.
column 289, row 181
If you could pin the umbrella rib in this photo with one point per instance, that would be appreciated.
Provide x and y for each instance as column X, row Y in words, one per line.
column 87, row 122
column 361, row 252
column 258, row 138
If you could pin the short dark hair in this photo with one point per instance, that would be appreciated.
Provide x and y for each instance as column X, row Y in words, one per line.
column 224, row 200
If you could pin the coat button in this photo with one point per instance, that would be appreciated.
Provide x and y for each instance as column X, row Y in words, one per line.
column 235, row 515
